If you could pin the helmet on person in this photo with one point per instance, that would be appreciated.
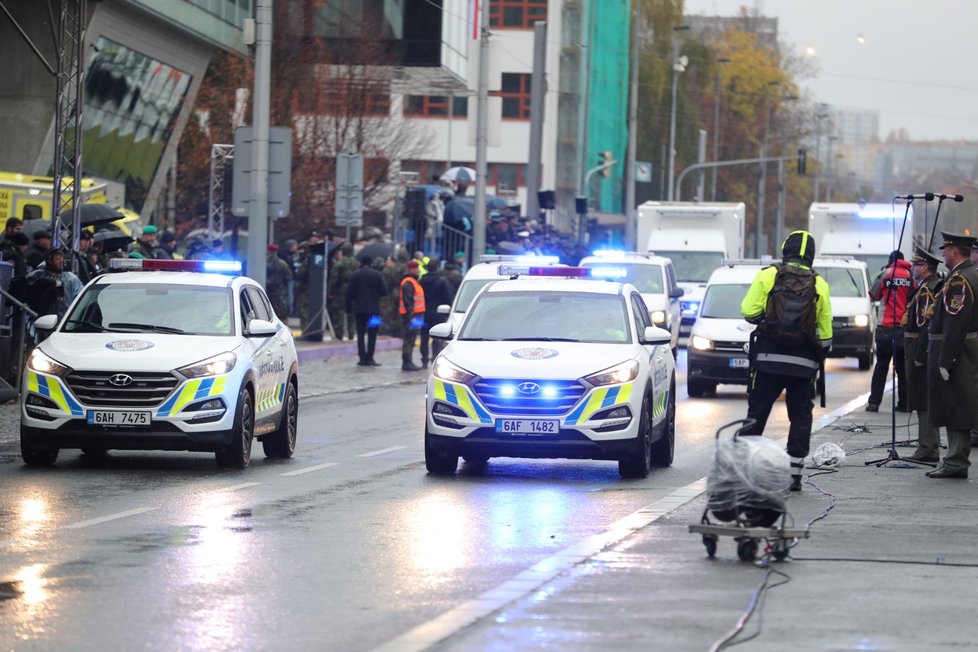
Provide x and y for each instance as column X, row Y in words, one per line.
column 799, row 246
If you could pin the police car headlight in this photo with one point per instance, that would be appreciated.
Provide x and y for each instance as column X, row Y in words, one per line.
column 621, row 373
column 219, row 364
column 46, row 365
column 447, row 371
column 658, row 316
column 861, row 321
column 701, row 343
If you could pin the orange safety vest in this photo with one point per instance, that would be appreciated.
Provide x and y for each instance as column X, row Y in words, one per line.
column 418, row 296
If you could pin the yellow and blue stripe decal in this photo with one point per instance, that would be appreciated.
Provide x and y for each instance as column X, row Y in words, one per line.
column 269, row 398
column 458, row 395
column 659, row 405
column 50, row 387
column 191, row 391
column 599, row 399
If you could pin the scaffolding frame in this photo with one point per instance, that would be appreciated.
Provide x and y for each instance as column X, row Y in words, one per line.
column 215, row 204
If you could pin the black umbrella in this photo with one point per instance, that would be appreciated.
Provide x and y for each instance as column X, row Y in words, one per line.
column 377, row 250
column 93, row 214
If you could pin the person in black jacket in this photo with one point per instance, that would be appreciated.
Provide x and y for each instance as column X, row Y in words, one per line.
column 437, row 291
column 363, row 294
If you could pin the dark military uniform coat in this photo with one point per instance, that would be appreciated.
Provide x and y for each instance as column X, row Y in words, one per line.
column 953, row 333
column 920, row 309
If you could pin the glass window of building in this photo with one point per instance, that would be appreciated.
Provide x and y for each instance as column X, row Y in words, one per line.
column 517, row 14
column 515, row 91
column 435, row 106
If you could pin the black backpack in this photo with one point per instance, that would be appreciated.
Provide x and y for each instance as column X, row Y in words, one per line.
column 789, row 318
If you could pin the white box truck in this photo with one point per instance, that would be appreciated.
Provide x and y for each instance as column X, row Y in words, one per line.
column 697, row 237
column 867, row 232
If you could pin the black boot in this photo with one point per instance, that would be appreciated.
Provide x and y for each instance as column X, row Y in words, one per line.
column 408, row 365
column 796, row 483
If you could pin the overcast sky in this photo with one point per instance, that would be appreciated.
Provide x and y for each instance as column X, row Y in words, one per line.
column 918, row 65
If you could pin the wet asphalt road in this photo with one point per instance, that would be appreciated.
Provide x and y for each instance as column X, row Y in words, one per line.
column 344, row 547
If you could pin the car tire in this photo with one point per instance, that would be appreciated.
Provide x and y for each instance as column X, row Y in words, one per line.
column 865, row 361
column 237, row 454
column 281, row 442
column 639, row 463
column 36, row 455
column 663, row 448
column 438, row 462
column 699, row 388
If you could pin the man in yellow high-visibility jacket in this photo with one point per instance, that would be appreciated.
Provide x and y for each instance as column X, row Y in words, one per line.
column 791, row 306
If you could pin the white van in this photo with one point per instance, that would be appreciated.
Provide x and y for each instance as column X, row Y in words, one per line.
column 853, row 316
column 718, row 344
column 655, row 279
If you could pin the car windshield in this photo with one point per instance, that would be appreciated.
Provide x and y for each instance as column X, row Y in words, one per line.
column 468, row 290
column 152, row 307
column 843, row 281
column 647, row 279
column 693, row 266
column 547, row 317
column 722, row 301
column 874, row 262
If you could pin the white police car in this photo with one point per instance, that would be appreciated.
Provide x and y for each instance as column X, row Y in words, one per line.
column 163, row 360
column 553, row 367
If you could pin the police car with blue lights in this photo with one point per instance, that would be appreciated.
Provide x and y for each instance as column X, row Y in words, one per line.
column 553, row 362
column 169, row 355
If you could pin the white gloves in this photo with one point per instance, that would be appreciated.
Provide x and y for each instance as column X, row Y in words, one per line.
column 945, row 375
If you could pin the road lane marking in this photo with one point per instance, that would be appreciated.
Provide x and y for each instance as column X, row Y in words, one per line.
column 382, row 451
column 110, row 517
column 841, row 411
column 310, row 469
column 468, row 613
column 237, row 487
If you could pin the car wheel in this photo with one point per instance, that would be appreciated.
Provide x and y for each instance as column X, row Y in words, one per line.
column 281, row 442
column 865, row 361
column 664, row 447
column 237, row 454
column 36, row 455
column 695, row 388
column 438, row 462
column 639, row 463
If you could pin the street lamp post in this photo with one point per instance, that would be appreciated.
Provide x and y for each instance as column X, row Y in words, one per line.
column 818, row 148
column 716, row 128
column 830, row 171
column 761, row 243
column 678, row 66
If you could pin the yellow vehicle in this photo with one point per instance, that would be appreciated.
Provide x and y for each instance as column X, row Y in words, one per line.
column 29, row 197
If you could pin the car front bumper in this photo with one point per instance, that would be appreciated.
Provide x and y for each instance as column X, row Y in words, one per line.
column 584, row 431
column 716, row 367
column 851, row 341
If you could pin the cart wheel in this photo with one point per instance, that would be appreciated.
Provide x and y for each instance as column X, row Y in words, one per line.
column 780, row 551
column 747, row 550
column 710, row 543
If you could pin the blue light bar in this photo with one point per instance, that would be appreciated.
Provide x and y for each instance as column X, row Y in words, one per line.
column 223, row 266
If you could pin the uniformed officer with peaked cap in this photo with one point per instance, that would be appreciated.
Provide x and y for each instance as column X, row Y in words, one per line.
column 952, row 369
column 920, row 308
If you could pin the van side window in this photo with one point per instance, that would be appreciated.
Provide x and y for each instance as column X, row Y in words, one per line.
column 31, row 212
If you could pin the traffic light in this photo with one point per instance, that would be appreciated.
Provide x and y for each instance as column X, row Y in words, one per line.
column 802, row 160
column 605, row 159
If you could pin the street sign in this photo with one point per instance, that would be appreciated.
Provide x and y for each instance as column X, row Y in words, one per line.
column 279, row 171
column 349, row 189
column 643, row 171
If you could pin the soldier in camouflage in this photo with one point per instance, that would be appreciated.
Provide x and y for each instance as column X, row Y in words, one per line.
column 277, row 275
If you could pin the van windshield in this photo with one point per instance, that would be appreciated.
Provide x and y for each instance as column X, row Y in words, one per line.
column 722, row 301
column 647, row 279
column 468, row 290
column 843, row 281
column 693, row 266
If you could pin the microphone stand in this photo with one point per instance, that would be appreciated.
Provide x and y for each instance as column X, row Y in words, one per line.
column 892, row 455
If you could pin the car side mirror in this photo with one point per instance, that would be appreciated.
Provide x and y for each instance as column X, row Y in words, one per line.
column 676, row 293
column 46, row 322
column 656, row 335
column 441, row 331
column 444, row 309
column 260, row 328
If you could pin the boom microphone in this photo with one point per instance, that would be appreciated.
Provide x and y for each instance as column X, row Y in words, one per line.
column 927, row 196
column 957, row 198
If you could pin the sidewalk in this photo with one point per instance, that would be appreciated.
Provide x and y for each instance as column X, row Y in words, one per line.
column 891, row 565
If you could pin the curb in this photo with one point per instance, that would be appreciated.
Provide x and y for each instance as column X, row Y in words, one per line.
column 322, row 351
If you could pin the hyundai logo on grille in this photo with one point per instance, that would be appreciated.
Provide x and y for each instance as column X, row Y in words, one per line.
column 528, row 388
column 747, row 348
column 120, row 380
